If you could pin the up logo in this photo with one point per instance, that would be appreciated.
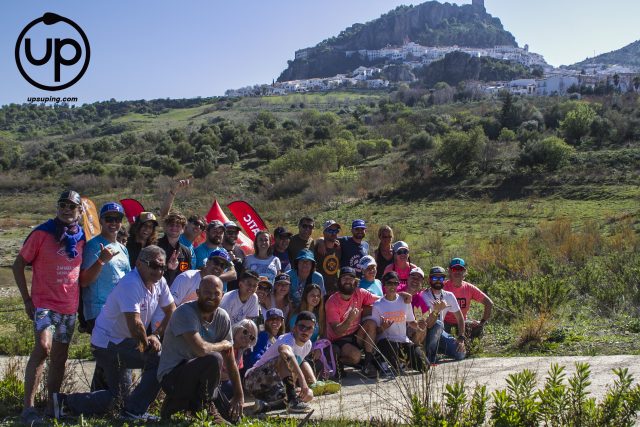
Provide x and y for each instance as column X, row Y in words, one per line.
column 52, row 52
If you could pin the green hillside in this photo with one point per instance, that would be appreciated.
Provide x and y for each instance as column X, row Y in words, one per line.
column 626, row 56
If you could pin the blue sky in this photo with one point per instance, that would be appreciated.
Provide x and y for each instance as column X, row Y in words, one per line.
column 184, row 49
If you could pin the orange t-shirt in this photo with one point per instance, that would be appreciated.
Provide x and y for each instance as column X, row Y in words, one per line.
column 54, row 284
column 464, row 294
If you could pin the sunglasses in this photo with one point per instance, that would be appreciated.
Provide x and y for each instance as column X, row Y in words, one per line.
column 457, row 268
column 304, row 328
column 402, row 251
column 155, row 266
column 112, row 219
column 391, row 283
column 200, row 225
column 332, row 231
column 67, row 205
column 436, row 278
column 249, row 334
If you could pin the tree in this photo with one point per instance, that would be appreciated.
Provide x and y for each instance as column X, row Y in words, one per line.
column 460, row 151
column 577, row 123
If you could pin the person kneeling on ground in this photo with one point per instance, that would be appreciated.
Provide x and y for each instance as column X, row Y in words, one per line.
column 437, row 339
column 392, row 315
column 196, row 344
column 272, row 379
column 343, row 312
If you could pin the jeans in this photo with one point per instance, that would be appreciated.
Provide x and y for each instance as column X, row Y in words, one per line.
column 440, row 341
column 194, row 380
column 116, row 360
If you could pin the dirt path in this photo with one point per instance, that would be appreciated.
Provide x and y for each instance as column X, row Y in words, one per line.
column 366, row 399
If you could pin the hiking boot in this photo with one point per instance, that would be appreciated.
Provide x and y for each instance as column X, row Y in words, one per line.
column 212, row 410
column 297, row 406
column 369, row 370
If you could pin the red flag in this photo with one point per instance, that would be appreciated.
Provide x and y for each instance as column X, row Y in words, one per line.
column 245, row 243
column 249, row 219
column 132, row 209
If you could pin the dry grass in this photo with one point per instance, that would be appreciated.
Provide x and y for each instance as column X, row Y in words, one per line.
column 534, row 329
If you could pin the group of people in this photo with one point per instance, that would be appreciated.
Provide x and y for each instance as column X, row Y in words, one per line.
column 208, row 323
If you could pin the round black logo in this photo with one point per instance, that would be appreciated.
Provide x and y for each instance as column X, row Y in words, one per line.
column 53, row 47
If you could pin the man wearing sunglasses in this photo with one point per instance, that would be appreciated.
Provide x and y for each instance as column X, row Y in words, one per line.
column 440, row 303
column 303, row 239
column 178, row 255
column 185, row 286
column 354, row 247
column 465, row 292
column 271, row 379
column 119, row 342
column 54, row 250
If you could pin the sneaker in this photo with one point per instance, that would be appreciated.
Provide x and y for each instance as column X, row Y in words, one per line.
column 298, row 407
column 59, row 404
column 259, row 407
column 30, row 417
column 146, row 417
column 369, row 370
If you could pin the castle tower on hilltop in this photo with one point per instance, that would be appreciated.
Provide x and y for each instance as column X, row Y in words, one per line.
column 479, row 3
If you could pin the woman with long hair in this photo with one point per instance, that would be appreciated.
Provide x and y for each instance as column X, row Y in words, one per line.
column 142, row 233
column 311, row 301
column 280, row 294
column 303, row 274
column 401, row 262
column 384, row 253
column 263, row 261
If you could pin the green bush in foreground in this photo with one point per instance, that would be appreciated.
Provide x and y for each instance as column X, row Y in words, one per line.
column 559, row 403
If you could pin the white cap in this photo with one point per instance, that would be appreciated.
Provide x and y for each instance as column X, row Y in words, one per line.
column 366, row 261
column 399, row 245
column 417, row 270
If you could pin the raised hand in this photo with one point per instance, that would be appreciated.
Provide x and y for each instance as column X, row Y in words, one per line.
column 173, row 261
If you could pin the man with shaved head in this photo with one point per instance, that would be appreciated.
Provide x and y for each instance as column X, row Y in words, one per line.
column 196, row 343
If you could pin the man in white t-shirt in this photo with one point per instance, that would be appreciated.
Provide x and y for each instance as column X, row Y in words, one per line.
column 434, row 298
column 184, row 287
column 392, row 315
column 242, row 303
column 271, row 378
column 120, row 342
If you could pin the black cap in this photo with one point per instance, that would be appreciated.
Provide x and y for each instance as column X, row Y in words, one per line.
column 437, row 270
column 390, row 275
column 281, row 232
column 249, row 274
column 70, row 196
column 347, row 270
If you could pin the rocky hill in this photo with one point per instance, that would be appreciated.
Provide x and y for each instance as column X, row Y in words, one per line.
column 428, row 24
column 627, row 56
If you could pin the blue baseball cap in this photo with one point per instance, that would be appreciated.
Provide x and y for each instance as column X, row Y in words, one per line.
column 358, row 223
column 111, row 207
column 220, row 253
column 457, row 262
column 305, row 254
column 346, row 271
column 274, row 312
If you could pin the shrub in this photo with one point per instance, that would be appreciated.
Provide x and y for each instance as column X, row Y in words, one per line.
column 577, row 123
column 422, row 141
column 460, row 151
column 268, row 151
column 551, row 152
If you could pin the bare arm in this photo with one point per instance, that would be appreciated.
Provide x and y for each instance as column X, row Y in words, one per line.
column 287, row 354
column 201, row 347
column 340, row 328
column 237, row 402
column 460, row 321
column 137, row 330
column 21, row 281
column 89, row 275
column 488, row 308
column 230, row 275
column 168, row 311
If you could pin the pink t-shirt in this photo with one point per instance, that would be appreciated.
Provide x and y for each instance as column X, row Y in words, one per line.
column 55, row 276
column 336, row 310
column 420, row 308
column 464, row 294
column 403, row 273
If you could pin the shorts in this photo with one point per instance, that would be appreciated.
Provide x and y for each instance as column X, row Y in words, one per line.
column 347, row 339
column 264, row 383
column 60, row 325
